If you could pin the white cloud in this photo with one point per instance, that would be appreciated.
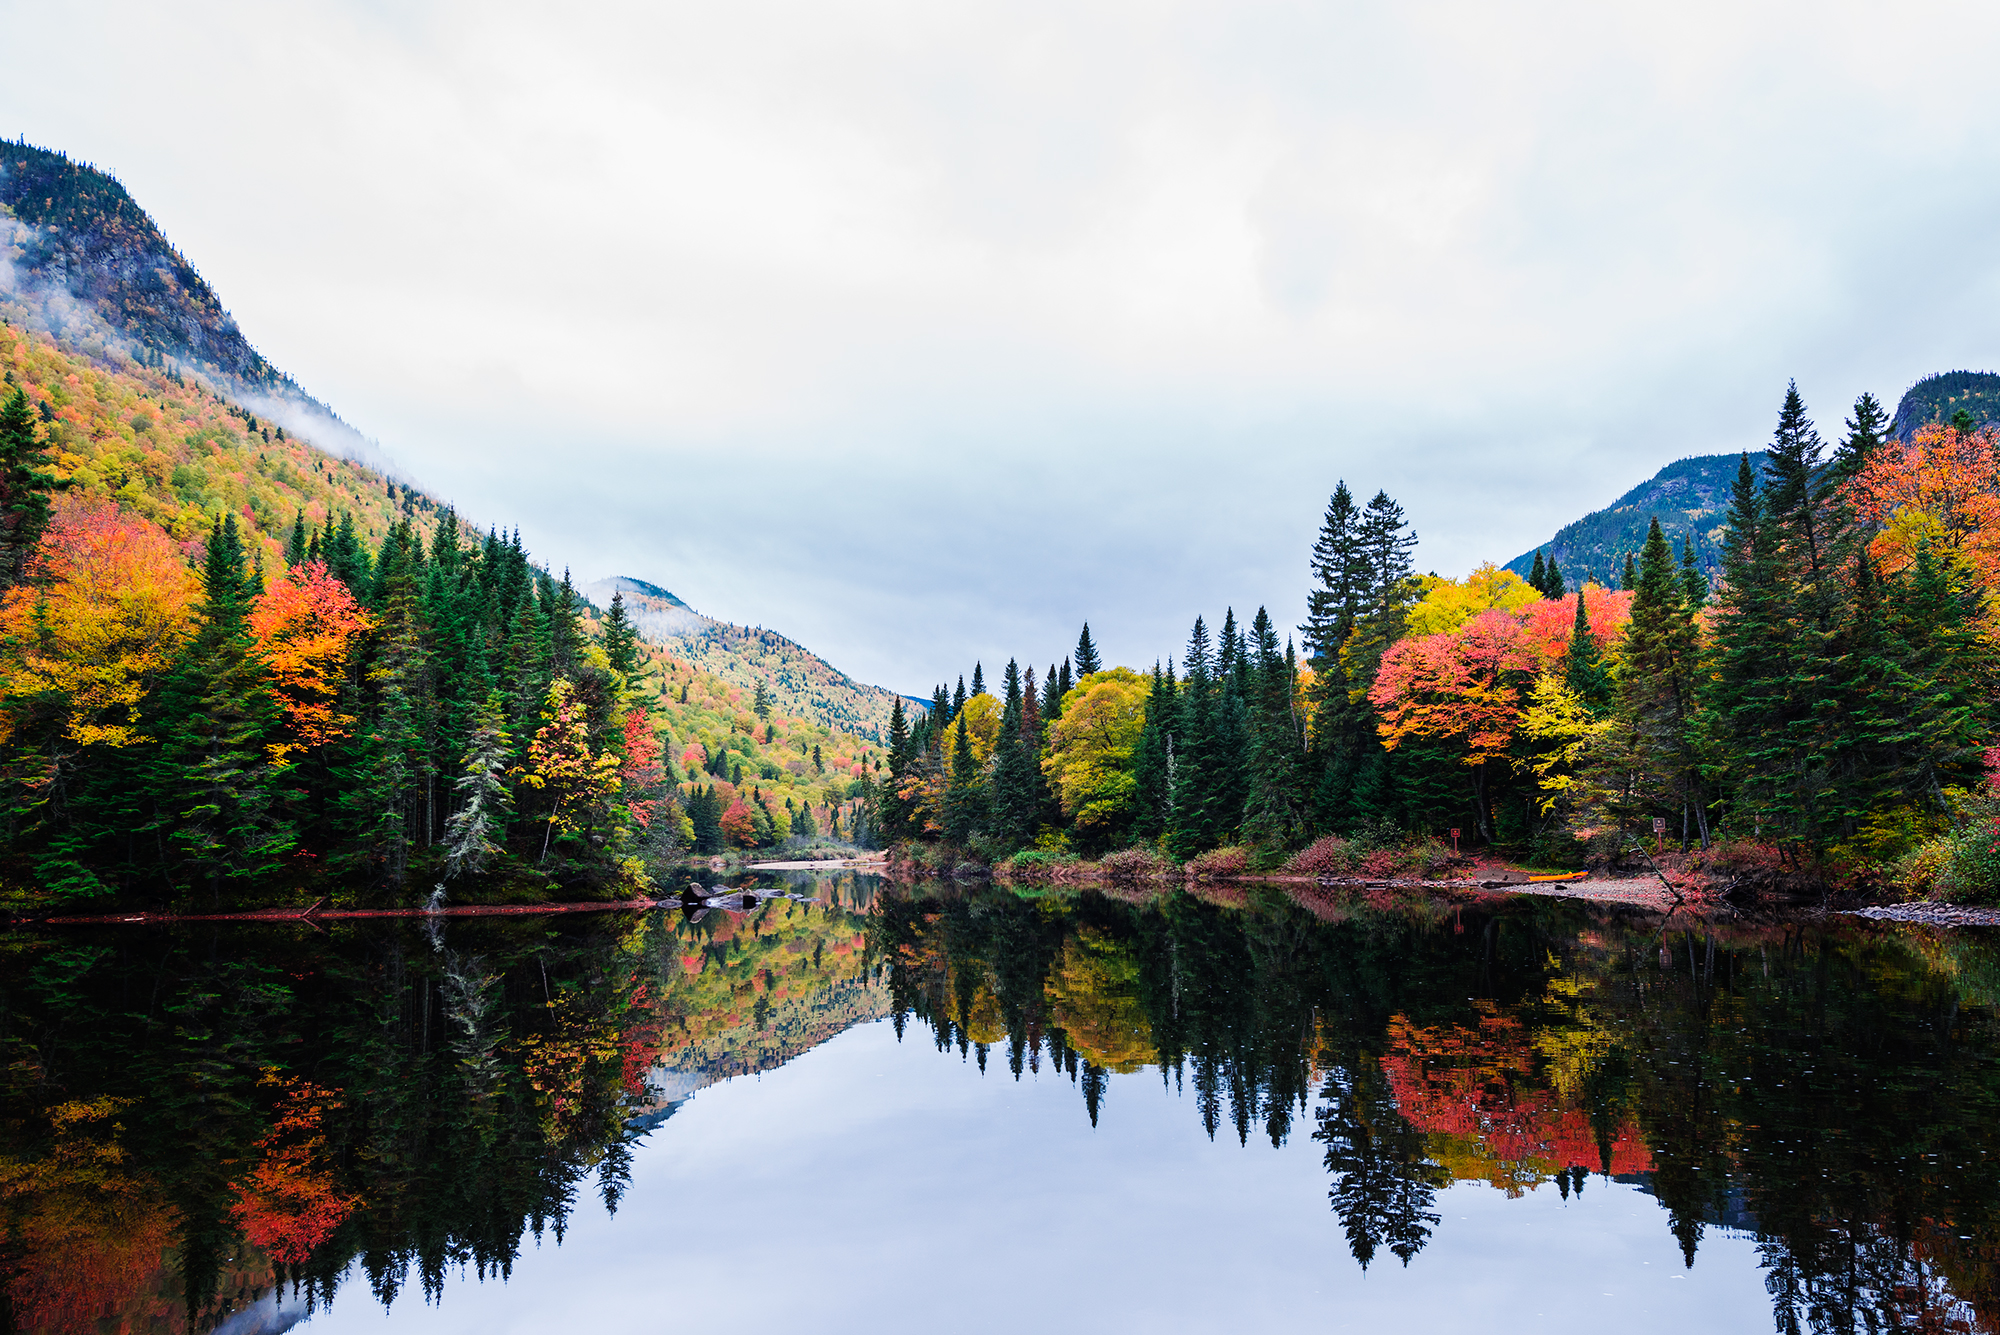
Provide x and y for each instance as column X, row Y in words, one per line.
column 922, row 332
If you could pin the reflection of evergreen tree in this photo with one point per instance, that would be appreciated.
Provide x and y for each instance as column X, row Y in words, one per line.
column 1384, row 1183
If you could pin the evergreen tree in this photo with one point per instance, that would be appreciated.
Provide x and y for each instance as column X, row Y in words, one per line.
column 1555, row 588
column 978, row 679
column 1657, row 702
column 621, row 643
column 1694, row 585
column 1538, row 578
column 1275, row 812
column 1152, row 760
column 1016, row 801
column 1867, row 431
column 24, row 489
column 1064, row 681
column 964, row 805
column 1584, row 672
column 1086, row 659
column 1194, row 752
column 217, row 790
column 760, row 703
column 959, row 698
column 1629, row 581
column 295, row 550
column 477, row 831
column 1052, row 696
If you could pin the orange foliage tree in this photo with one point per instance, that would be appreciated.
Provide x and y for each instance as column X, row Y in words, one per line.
column 642, row 771
column 305, row 626
column 112, row 602
column 1942, row 487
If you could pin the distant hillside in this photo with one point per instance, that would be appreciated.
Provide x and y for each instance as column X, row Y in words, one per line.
column 1690, row 496
column 802, row 684
column 151, row 397
column 1938, row 397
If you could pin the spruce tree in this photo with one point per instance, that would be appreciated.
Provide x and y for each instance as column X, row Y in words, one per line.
column 1694, row 585
column 1629, row 581
column 959, row 697
column 1554, row 588
column 1015, row 807
column 216, row 784
column 1052, row 696
column 1152, row 770
column 1584, row 672
column 963, row 798
column 1657, row 682
column 621, row 642
column 477, row 830
column 1275, row 811
column 1867, row 431
column 978, row 679
column 295, row 550
column 1194, row 758
column 1538, row 577
column 1086, row 659
column 25, row 486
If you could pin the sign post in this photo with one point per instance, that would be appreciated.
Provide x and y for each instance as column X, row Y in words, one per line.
column 1659, row 834
column 1454, row 841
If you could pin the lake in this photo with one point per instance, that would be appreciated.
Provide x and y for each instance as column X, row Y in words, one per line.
column 858, row 1105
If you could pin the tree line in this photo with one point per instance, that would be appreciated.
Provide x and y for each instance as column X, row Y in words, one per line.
column 359, row 722
column 1832, row 694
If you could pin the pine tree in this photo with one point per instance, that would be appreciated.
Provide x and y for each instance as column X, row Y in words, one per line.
column 964, row 806
column 1657, row 702
column 295, row 550
column 1554, row 588
column 1694, row 585
column 1584, row 672
column 215, row 780
column 477, row 831
column 1015, row 805
column 1629, row 581
column 1052, row 696
column 1867, row 431
column 1152, row 760
column 1275, row 811
column 1065, row 682
column 1341, row 585
column 24, row 489
column 760, row 703
column 1194, row 758
column 978, row 679
column 1538, row 577
column 959, row 698
column 1086, row 659
column 621, row 641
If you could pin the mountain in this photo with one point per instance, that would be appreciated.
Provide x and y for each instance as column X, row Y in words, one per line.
column 1690, row 496
column 152, row 397
column 1938, row 397
column 801, row 684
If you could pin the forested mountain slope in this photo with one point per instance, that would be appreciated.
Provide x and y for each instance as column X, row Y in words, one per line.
column 1689, row 496
column 798, row 682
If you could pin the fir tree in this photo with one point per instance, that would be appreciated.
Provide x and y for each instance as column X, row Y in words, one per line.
column 1694, row 585
column 477, row 831
column 1275, row 812
column 295, row 550
column 1867, row 431
column 978, row 679
column 1584, row 672
column 1554, row 588
column 1538, row 577
column 24, row 489
column 1656, row 688
column 963, row 799
column 1629, row 581
column 621, row 642
column 1086, row 659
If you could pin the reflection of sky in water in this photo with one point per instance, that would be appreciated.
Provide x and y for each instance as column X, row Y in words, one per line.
column 871, row 1186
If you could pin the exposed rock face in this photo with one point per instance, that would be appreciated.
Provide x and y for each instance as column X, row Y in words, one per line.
column 82, row 235
column 1937, row 397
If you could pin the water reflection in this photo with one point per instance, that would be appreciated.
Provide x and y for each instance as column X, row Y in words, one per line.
column 1830, row 1089
column 196, row 1119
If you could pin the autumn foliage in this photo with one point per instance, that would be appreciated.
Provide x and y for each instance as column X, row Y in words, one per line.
column 82, row 647
column 1939, row 487
column 305, row 625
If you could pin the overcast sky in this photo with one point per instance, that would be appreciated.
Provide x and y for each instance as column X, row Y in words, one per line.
column 921, row 332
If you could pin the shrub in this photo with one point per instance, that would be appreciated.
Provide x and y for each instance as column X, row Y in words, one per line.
column 1329, row 855
column 1231, row 861
column 1917, row 871
column 1429, row 857
column 1972, row 874
column 1134, row 864
column 1382, row 862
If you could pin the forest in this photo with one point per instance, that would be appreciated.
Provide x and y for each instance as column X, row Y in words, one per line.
column 1826, row 702
column 238, row 672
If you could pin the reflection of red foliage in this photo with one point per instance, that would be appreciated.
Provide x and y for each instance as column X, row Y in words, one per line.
column 642, row 1041
column 1480, row 1084
column 291, row 1201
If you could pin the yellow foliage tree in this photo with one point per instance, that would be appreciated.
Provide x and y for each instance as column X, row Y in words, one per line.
column 1089, row 753
column 1450, row 603
column 80, row 649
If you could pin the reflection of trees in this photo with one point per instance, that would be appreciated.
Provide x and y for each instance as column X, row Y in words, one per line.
column 1384, row 1181
column 361, row 1099
column 1832, row 1090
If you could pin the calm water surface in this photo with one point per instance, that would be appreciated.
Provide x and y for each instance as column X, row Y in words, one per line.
column 866, row 1107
